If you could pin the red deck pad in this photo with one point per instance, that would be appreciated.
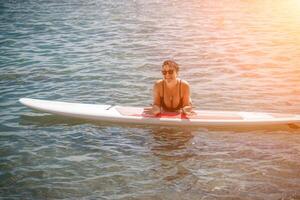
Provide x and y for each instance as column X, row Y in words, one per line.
column 139, row 112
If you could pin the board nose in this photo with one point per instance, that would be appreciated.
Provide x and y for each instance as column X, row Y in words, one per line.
column 24, row 100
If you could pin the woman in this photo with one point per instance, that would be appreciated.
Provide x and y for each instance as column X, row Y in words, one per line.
column 170, row 94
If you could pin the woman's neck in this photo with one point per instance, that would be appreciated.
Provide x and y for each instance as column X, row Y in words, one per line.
column 172, row 83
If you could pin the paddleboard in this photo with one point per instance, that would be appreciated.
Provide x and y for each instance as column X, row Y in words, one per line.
column 128, row 114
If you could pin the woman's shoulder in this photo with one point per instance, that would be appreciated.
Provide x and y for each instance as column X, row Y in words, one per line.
column 184, row 83
column 158, row 82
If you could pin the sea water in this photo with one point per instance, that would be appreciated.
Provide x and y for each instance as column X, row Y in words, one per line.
column 236, row 54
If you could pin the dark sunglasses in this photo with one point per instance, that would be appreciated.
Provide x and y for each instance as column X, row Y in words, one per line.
column 164, row 72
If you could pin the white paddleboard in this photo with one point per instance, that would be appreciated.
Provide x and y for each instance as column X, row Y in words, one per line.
column 125, row 114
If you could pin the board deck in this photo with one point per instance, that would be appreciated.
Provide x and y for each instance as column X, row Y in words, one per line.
column 127, row 114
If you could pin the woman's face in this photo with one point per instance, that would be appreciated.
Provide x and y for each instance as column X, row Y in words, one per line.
column 169, row 73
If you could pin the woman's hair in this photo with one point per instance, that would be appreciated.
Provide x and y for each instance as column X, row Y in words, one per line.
column 171, row 63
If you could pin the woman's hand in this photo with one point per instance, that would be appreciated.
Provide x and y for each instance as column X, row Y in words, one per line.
column 188, row 110
column 154, row 110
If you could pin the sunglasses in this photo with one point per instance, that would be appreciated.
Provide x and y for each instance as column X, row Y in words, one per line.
column 165, row 72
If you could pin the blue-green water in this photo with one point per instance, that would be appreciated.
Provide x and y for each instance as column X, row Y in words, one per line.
column 237, row 55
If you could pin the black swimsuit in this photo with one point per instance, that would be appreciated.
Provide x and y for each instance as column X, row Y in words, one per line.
column 165, row 107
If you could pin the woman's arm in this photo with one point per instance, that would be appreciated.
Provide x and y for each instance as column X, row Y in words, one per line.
column 156, row 93
column 187, row 104
column 155, row 109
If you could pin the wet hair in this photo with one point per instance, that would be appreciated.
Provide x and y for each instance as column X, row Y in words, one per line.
column 171, row 63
